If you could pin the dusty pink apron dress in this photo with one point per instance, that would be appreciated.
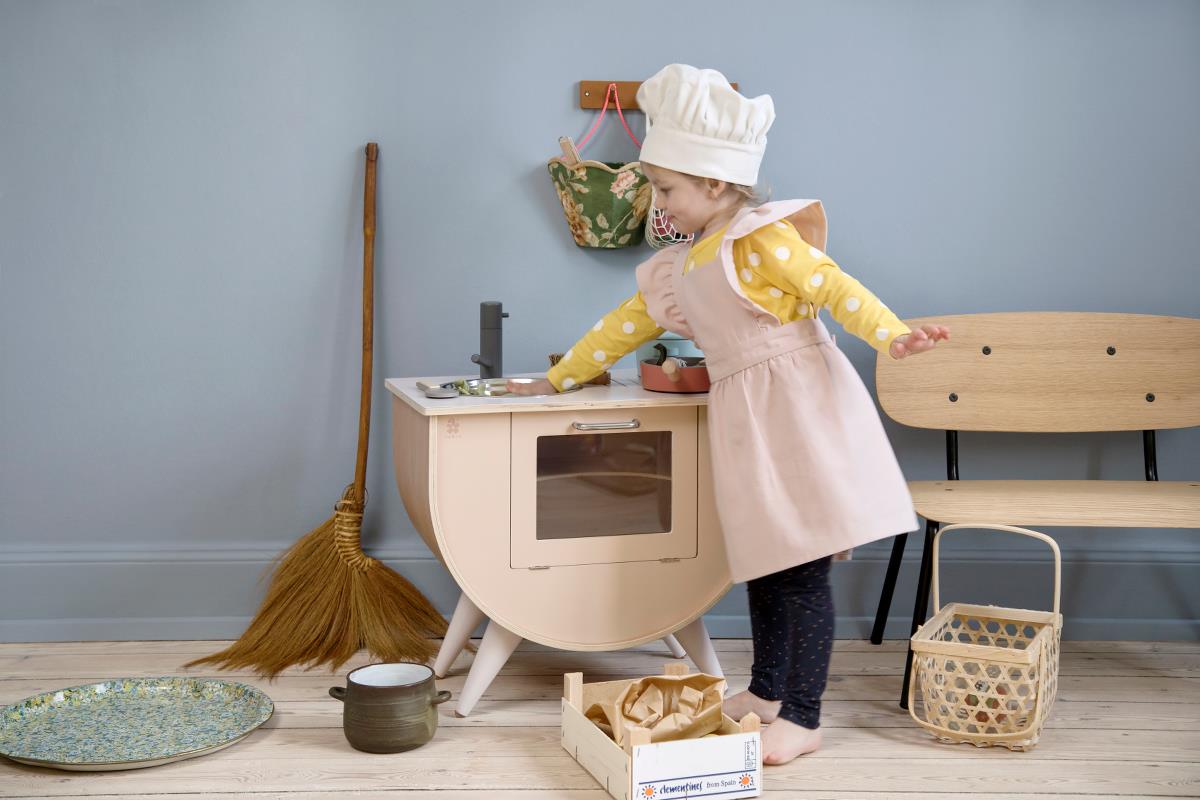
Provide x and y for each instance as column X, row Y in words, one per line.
column 802, row 467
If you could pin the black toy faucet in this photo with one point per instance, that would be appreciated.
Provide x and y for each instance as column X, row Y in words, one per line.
column 490, row 357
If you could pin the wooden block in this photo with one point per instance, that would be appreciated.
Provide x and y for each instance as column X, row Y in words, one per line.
column 635, row 736
column 573, row 689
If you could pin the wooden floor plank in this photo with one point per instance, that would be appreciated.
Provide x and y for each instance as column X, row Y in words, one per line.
column 908, row 743
column 442, row 794
column 362, row 772
column 548, row 687
column 834, row 714
column 533, row 687
column 359, row 771
column 570, row 794
column 70, row 666
column 1045, row 778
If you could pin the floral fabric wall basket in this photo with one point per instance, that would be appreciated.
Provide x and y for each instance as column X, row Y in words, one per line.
column 605, row 203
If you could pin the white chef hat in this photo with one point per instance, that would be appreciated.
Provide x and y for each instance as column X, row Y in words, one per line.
column 698, row 124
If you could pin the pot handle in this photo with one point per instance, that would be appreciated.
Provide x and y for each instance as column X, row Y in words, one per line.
column 438, row 698
column 338, row 692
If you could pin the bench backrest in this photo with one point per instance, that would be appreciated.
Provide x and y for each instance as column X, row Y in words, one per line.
column 1049, row 372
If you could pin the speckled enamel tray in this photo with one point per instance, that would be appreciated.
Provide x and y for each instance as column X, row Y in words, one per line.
column 130, row 723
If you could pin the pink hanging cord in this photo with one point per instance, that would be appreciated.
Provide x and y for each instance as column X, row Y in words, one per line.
column 611, row 91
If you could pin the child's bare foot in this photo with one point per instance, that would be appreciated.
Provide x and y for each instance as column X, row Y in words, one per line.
column 739, row 705
column 783, row 741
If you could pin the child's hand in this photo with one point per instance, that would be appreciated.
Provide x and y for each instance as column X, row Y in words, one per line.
column 534, row 387
column 922, row 339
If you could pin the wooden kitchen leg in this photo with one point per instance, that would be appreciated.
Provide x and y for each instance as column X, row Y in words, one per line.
column 674, row 646
column 467, row 617
column 694, row 638
column 498, row 644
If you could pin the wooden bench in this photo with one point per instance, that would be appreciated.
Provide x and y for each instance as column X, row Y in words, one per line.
column 1044, row 372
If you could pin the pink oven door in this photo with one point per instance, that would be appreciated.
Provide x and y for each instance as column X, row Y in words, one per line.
column 603, row 486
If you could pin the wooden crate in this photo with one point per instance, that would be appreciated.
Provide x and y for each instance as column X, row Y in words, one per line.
column 728, row 765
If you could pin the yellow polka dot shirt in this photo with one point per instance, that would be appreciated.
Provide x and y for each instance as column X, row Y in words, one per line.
column 778, row 270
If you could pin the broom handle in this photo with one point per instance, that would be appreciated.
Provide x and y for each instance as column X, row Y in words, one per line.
column 364, row 408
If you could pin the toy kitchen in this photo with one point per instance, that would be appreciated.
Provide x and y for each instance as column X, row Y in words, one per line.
column 582, row 520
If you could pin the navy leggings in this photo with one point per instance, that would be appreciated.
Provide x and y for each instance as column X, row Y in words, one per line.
column 791, row 618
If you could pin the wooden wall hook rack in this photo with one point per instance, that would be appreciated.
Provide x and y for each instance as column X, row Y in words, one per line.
column 591, row 94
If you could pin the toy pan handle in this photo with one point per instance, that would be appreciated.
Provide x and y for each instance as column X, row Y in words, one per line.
column 937, row 606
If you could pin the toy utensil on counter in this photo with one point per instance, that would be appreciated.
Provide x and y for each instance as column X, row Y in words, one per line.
column 328, row 599
column 438, row 391
column 478, row 387
column 672, row 367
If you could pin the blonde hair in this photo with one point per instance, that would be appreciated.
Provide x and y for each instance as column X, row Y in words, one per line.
column 751, row 196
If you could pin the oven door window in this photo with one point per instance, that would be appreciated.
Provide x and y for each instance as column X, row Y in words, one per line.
column 603, row 485
column 597, row 496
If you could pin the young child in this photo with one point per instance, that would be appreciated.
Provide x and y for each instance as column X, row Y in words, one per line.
column 802, row 468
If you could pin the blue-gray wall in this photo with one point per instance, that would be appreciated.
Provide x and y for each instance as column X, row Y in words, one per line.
column 180, row 239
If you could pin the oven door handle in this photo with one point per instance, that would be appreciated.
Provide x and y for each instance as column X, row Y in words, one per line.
column 607, row 426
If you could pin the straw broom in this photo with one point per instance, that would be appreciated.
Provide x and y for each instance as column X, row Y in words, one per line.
column 328, row 599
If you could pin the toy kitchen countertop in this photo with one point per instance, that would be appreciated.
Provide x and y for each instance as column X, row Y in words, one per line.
column 582, row 520
column 625, row 391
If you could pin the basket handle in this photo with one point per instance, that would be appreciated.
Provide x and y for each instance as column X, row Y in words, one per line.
column 610, row 92
column 937, row 606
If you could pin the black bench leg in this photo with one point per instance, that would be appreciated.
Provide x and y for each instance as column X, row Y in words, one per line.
column 921, row 607
column 889, row 587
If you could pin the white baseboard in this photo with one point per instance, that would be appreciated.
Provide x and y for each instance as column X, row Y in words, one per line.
column 135, row 592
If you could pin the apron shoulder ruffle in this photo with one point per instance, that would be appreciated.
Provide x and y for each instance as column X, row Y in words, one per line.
column 807, row 216
column 655, row 280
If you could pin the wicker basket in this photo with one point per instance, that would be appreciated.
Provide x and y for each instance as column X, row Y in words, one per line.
column 605, row 202
column 986, row 675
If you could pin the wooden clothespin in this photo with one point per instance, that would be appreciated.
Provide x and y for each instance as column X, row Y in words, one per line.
column 570, row 155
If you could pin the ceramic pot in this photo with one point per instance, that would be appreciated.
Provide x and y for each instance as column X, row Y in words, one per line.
column 690, row 378
column 389, row 708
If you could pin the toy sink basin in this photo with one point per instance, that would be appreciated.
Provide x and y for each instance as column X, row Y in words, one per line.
column 691, row 378
column 481, row 387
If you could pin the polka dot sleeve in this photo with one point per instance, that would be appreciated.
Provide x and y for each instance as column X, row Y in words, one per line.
column 783, row 258
column 618, row 333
